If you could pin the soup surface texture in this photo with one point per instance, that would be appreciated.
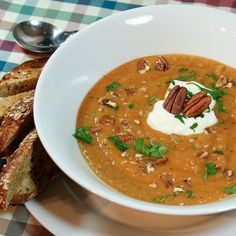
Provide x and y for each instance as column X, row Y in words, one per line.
column 162, row 129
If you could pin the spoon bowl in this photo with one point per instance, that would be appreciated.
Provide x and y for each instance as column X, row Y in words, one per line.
column 38, row 36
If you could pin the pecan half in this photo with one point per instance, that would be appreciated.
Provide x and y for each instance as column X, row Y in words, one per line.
column 175, row 100
column 197, row 104
column 143, row 66
column 161, row 64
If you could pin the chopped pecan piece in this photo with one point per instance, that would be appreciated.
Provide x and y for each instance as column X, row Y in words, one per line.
column 161, row 64
column 125, row 123
column 160, row 161
column 167, row 180
column 107, row 120
column 143, row 66
column 228, row 173
column 197, row 104
column 175, row 100
column 124, row 136
column 224, row 82
column 96, row 129
column 203, row 154
column 130, row 91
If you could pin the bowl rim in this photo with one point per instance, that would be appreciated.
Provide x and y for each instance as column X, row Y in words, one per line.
column 126, row 201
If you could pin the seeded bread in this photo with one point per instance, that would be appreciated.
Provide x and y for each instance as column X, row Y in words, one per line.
column 17, row 119
column 22, row 78
column 27, row 171
column 6, row 102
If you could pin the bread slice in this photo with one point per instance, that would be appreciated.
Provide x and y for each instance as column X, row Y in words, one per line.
column 22, row 78
column 6, row 102
column 17, row 119
column 27, row 171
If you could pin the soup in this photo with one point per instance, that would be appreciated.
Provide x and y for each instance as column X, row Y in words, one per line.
column 162, row 129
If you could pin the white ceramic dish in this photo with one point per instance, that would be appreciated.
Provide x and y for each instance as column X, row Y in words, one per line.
column 62, row 209
column 93, row 52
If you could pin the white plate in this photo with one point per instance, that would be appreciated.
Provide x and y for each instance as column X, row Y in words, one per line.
column 62, row 209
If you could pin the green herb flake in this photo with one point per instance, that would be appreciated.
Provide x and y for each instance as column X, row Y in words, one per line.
column 220, row 152
column 165, row 197
column 210, row 169
column 82, row 134
column 130, row 106
column 181, row 70
column 118, row 143
column 189, row 94
column 151, row 99
column 194, row 126
column 230, row 190
column 190, row 193
column 154, row 149
column 191, row 74
column 221, row 107
column 112, row 86
column 180, row 118
column 201, row 116
column 213, row 76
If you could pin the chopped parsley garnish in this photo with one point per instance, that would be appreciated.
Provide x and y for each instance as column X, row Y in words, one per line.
column 189, row 94
column 201, row 115
column 213, row 76
column 210, row 169
column 221, row 107
column 163, row 198
column 194, row 126
column 220, row 152
column 130, row 106
column 112, row 86
column 118, row 143
column 154, row 149
column 190, row 193
column 82, row 134
column 151, row 99
column 230, row 190
column 180, row 118
column 181, row 70
column 191, row 74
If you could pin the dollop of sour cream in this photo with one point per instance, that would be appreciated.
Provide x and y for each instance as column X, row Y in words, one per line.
column 165, row 122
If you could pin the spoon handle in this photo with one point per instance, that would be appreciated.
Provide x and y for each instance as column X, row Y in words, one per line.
column 64, row 35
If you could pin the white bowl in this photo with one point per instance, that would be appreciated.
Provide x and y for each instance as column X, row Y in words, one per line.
column 96, row 50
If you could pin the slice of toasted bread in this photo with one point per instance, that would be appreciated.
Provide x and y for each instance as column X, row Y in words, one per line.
column 22, row 78
column 6, row 102
column 17, row 119
column 27, row 171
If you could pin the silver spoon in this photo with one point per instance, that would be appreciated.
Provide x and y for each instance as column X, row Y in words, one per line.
column 38, row 36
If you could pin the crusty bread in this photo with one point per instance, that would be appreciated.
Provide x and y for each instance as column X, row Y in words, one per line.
column 17, row 119
column 25, row 165
column 27, row 171
column 6, row 102
column 22, row 78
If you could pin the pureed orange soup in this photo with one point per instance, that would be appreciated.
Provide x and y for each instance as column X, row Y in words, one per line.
column 162, row 129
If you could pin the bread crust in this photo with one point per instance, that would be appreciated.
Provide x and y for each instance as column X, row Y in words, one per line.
column 17, row 118
column 27, row 171
column 22, row 78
